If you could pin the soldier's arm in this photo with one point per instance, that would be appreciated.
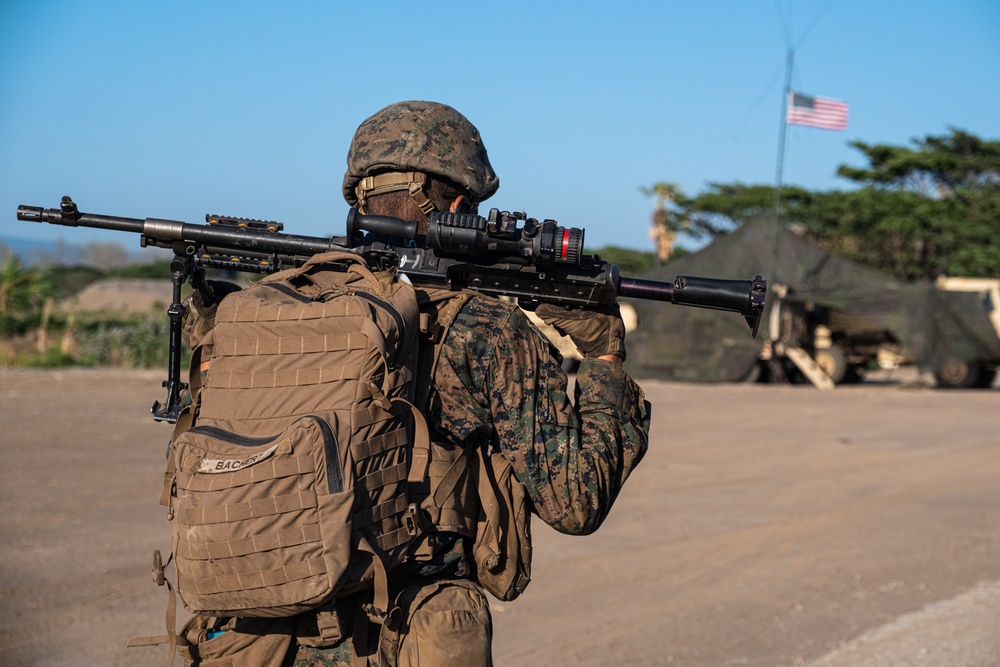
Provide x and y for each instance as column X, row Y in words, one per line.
column 572, row 459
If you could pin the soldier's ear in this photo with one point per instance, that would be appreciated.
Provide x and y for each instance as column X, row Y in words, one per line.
column 463, row 204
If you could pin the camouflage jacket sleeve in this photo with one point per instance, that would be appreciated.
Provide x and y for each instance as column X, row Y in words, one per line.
column 572, row 457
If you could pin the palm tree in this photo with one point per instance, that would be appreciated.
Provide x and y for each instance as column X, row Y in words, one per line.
column 22, row 287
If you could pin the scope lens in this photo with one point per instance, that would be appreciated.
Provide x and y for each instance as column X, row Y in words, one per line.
column 569, row 245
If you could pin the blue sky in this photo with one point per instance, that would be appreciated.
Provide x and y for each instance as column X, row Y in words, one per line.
column 178, row 109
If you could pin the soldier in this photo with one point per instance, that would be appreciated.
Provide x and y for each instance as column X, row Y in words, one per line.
column 498, row 382
column 493, row 382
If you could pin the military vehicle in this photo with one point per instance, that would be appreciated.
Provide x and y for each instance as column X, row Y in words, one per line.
column 980, row 372
column 828, row 320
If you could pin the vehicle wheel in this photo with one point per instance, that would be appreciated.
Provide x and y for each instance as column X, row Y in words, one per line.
column 955, row 374
column 833, row 363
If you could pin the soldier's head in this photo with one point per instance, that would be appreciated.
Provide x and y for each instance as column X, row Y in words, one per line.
column 415, row 157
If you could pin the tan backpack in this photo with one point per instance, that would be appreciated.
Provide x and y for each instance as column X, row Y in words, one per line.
column 289, row 473
column 302, row 473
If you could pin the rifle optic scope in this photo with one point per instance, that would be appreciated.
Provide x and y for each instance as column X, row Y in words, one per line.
column 542, row 243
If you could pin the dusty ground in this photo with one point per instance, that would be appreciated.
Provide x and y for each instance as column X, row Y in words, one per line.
column 770, row 526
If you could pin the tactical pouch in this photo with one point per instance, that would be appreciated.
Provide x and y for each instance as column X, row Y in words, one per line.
column 445, row 623
column 502, row 551
column 503, row 538
column 209, row 641
column 261, row 523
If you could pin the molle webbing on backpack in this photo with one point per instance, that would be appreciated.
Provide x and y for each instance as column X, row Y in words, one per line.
column 291, row 486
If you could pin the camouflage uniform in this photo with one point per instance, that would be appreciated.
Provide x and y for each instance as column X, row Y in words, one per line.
column 500, row 377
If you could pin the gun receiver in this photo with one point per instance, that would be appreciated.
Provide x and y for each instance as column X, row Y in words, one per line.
column 503, row 254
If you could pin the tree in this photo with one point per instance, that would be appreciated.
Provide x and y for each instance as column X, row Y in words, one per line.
column 23, row 290
column 919, row 212
column 945, row 194
column 940, row 167
column 666, row 223
column 631, row 262
column 22, row 287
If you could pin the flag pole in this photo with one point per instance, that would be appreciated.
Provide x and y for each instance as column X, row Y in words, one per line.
column 781, row 158
column 772, row 335
column 781, row 133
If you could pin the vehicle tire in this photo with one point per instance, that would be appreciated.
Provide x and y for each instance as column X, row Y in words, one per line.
column 955, row 374
column 833, row 363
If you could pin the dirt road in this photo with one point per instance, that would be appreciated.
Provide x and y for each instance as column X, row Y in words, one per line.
column 768, row 526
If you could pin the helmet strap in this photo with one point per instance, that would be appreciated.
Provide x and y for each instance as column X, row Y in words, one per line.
column 411, row 181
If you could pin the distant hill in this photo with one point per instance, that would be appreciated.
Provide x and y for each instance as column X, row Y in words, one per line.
column 34, row 251
column 121, row 296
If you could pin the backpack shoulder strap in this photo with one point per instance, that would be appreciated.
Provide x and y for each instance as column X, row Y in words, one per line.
column 438, row 310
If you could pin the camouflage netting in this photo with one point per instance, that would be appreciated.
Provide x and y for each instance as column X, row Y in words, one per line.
column 695, row 344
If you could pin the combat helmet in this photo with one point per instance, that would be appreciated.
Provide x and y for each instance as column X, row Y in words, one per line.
column 397, row 148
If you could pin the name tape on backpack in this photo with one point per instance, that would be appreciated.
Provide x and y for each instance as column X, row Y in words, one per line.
column 231, row 465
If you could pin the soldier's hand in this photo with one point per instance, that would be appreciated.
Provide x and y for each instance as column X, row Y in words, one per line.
column 217, row 290
column 596, row 332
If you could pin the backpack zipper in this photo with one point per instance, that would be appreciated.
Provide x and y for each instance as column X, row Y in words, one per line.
column 400, row 325
column 290, row 291
column 232, row 438
column 367, row 296
column 334, row 477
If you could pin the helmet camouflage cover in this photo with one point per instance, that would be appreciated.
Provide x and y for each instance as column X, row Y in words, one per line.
column 425, row 137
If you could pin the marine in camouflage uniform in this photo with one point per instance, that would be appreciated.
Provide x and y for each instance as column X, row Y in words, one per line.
column 498, row 382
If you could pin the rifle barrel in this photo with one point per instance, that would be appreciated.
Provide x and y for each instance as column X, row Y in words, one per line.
column 653, row 290
column 164, row 233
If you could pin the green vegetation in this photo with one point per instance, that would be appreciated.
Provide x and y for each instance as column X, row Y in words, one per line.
column 138, row 340
column 35, row 333
column 918, row 212
column 24, row 290
column 631, row 262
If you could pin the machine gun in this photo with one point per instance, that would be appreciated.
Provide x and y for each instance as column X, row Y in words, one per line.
column 503, row 254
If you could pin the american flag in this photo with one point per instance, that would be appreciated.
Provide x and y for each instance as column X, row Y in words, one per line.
column 820, row 112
